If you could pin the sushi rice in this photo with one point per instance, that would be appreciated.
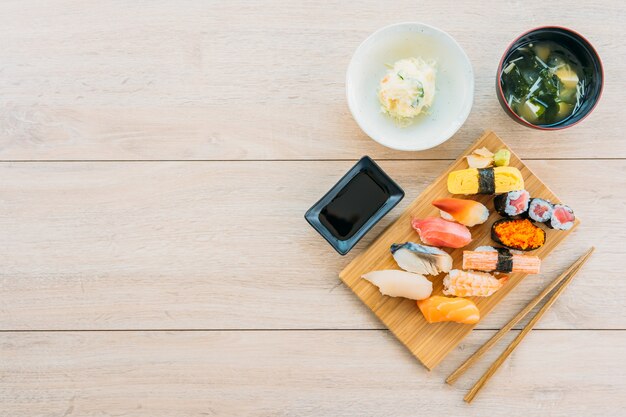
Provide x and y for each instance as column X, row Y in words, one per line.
column 562, row 217
column 540, row 210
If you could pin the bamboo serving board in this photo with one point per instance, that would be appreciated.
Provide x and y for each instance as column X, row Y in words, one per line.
column 430, row 343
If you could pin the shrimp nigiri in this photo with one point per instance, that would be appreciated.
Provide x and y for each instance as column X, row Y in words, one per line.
column 436, row 231
column 471, row 284
column 438, row 308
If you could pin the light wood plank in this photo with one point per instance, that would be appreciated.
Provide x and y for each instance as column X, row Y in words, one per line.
column 315, row 373
column 256, row 80
column 224, row 245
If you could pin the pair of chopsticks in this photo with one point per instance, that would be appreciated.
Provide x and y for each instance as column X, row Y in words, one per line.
column 566, row 277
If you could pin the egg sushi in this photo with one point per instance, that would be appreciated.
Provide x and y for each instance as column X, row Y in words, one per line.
column 485, row 180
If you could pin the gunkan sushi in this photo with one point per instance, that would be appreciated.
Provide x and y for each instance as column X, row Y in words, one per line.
column 485, row 180
column 467, row 212
column 562, row 217
column 518, row 234
column 489, row 259
column 540, row 210
column 512, row 204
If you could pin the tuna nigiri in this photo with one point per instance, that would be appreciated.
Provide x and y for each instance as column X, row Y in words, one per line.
column 421, row 259
column 438, row 308
column 436, row 231
column 466, row 212
column 471, row 284
column 396, row 283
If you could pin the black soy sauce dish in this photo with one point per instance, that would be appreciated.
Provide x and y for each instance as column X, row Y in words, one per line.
column 567, row 46
column 363, row 196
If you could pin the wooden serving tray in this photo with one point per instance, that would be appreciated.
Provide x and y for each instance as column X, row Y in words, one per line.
column 430, row 343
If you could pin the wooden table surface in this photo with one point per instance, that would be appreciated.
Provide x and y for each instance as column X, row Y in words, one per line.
column 156, row 160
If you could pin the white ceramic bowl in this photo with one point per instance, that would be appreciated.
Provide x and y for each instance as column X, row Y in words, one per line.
column 454, row 85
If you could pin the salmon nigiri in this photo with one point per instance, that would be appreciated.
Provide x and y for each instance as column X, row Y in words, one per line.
column 467, row 212
column 438, row 308
column 436, row 231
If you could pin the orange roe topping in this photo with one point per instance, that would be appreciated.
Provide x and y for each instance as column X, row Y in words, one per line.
column 521, row 234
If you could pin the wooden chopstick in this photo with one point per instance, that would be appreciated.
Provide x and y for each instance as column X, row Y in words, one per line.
column 519, row 316
column 496, row 364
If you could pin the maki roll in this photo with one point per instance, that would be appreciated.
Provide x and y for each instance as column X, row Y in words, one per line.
column 512, row 204
column 518, row 234
column 540, row 210
column 562, row 217
column 485, row 180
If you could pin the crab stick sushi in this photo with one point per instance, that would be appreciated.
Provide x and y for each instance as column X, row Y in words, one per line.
column 562, row 217
column 485, row 180
column 467, row 212
column 438, row 308
column 518, row 234
column 512, row 204
column 489, row 259
column 471, row 284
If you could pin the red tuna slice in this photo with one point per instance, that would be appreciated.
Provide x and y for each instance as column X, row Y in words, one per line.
column 436, row 231
column 563, row 215
column 520, row 203
column 540, row 210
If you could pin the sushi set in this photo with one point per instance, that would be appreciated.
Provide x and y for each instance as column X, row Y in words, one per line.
column 459, row 249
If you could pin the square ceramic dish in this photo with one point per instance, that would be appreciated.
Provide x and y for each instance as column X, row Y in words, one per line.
column 363, row 196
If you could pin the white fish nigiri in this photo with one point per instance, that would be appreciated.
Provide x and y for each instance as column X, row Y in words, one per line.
column 396, row 283
column 421, row 259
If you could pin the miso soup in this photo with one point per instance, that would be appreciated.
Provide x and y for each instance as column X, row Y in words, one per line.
column 543, row 83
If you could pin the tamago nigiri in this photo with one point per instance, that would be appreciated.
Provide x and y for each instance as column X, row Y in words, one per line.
column 466, row 212
column 436, row 231
column 485, row 180
column 438, row 308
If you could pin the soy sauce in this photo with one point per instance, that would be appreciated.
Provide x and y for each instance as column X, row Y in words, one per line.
column 356, row 203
